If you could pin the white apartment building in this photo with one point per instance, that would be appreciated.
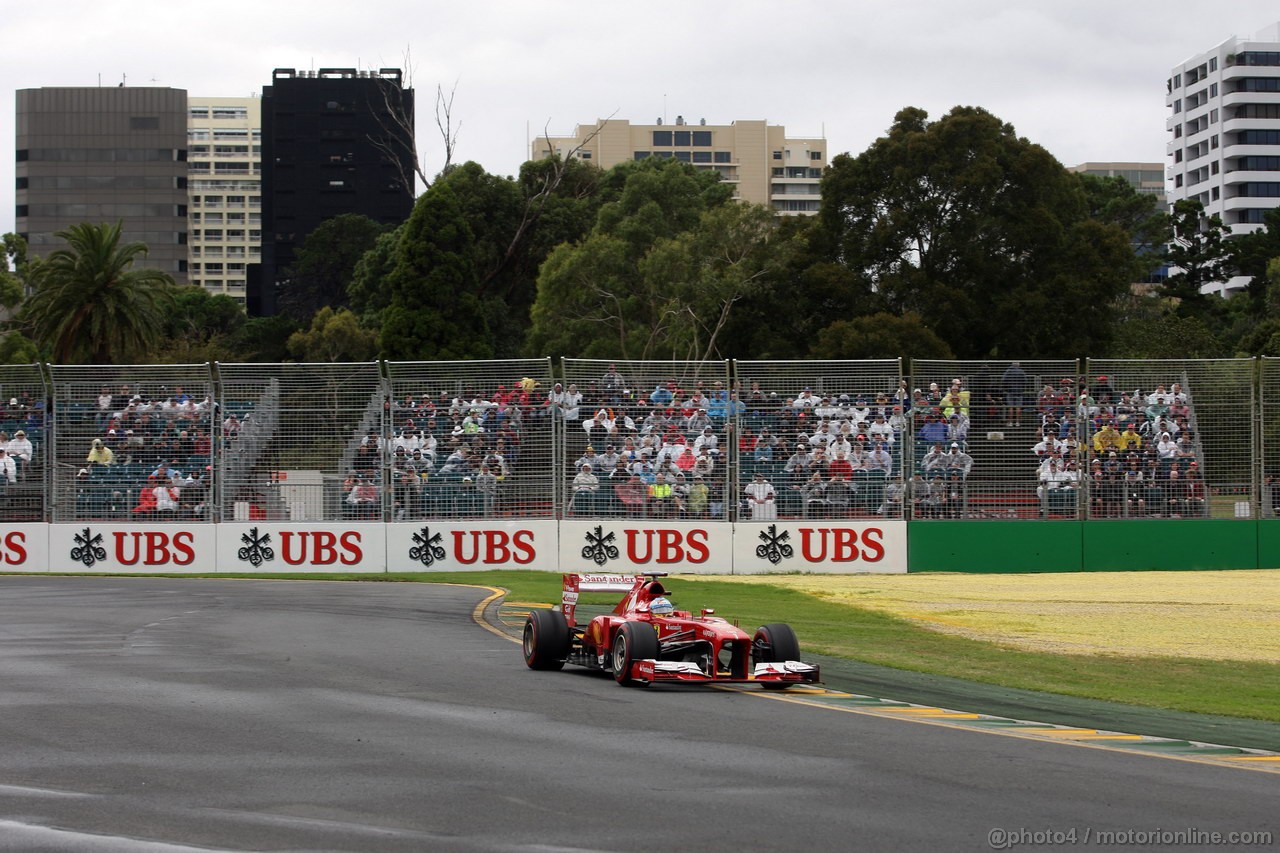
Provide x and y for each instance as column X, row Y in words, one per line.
column 224, row 184
column 1224, row 133
column 763, row 164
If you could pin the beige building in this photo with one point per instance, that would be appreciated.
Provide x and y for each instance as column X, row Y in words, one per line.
column 224, row 164
column 763, row 164
column 1146, row 178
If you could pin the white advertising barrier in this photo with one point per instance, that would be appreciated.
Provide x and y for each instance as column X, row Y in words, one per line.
column 472, row 546
column 625, row 545
column 132, row 548
column 302, row 547
column 836, row 547
column 24, row 548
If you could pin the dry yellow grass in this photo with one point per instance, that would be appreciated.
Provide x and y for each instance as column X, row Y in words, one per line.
column 1229, row 615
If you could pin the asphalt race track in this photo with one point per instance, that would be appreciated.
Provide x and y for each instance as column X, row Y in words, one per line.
column 153, row 714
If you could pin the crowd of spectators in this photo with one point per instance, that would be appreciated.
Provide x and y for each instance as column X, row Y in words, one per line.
column 147, row 455
column 1135, row 450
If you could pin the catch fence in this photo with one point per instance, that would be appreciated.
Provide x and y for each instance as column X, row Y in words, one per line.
column 675, row 441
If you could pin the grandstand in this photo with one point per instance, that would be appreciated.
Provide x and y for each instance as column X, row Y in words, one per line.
column 663, row 440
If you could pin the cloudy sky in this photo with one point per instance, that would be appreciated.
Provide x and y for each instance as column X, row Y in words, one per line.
column 1085, row 79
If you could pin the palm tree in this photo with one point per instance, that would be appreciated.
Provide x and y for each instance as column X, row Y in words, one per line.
column 90, row 305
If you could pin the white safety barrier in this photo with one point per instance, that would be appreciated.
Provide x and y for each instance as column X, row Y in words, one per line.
column 605, row 545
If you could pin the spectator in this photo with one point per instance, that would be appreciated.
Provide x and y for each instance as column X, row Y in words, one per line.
column 1129, row 440
column 612, row 385
column 925, row 497
column 99, row 454
column 880, row 430
column 1167, row 448
column 632, row 495
column 933, row 431
column 956, row 401
column 894, row 492
column 585, row 486
column 761, row 499
column 1133, row 479
column 959, row 463
column 1106, row 439
column 588, row 460
column 661, row 497
column 1103, row 392
column 934, row 462
column 20, row 448
column 1014, row 385
column 699, row 498
column 487, row 486
column 708, row 440
column 813, row 495
column 662, row 395
column 1047, row 446
column 1195, row 506
column 879, row 459
column 1175, row 494
column 8, row 468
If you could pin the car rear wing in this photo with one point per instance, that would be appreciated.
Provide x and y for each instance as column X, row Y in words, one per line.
column 574, row 584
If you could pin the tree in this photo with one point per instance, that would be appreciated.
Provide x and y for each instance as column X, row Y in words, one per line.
column 878, row 336
column 334, row 336
column 14, row 270
column 1115, row 201
column 1199, row 253
column 981, row 233
column 625, row 291
column 323, row 267
column 433, row 309
column 91, row 304
column 1252, row 253
column 199, row 326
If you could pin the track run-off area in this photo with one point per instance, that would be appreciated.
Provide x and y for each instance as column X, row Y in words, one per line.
column 173, row 714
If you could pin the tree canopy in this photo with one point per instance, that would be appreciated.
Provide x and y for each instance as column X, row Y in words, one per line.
column 978, row 231
column 91, row 303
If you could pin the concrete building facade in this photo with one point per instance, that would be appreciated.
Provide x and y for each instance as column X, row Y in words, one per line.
column 764, row 165
column 104, row 154
column 1224, row 133
column 224, row 162
column 334, row 141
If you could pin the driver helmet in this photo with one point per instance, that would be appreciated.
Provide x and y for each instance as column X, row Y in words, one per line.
column 661, row 607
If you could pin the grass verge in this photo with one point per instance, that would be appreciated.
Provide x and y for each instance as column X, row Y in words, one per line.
column 1242, row 689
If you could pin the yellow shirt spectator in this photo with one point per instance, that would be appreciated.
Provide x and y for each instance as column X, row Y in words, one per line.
column 955, row 402
column 1106, row 439
column 1130, row 440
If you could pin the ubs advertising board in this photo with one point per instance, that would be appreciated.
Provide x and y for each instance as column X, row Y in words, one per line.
column 439, row 546
column 132, row 548
column 815, row 546
column 634, row 545
column 24, row 548
column 284, row 547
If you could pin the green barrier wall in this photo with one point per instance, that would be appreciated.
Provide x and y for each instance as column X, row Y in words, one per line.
column 1268, row 544
column 1170, row 545
column 1096, row 546
column 994, row 546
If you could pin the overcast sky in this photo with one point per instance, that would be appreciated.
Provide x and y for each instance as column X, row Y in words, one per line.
column 1085, row 79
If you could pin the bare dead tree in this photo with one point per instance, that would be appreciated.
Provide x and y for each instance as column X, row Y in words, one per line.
column 549, row 184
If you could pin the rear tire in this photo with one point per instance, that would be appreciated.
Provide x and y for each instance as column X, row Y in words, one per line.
column 545, row 640
column 773, row 643
column 634, row 641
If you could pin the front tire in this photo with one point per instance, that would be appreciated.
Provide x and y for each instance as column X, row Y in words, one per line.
column 773, row 643
column 634, row 641
column 545, row 640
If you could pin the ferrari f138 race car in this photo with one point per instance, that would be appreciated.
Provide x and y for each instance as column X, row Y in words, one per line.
column 646, row 640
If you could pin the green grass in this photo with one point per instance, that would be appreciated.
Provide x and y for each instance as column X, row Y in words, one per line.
column 1228, row 688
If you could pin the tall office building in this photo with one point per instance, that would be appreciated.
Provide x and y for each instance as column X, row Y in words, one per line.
column 764, row 165
column 224, row 158
column 1224, row 133
column 334, row 141
column 113, row 154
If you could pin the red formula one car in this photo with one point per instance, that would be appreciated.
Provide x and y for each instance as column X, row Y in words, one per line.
column 645, row 640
